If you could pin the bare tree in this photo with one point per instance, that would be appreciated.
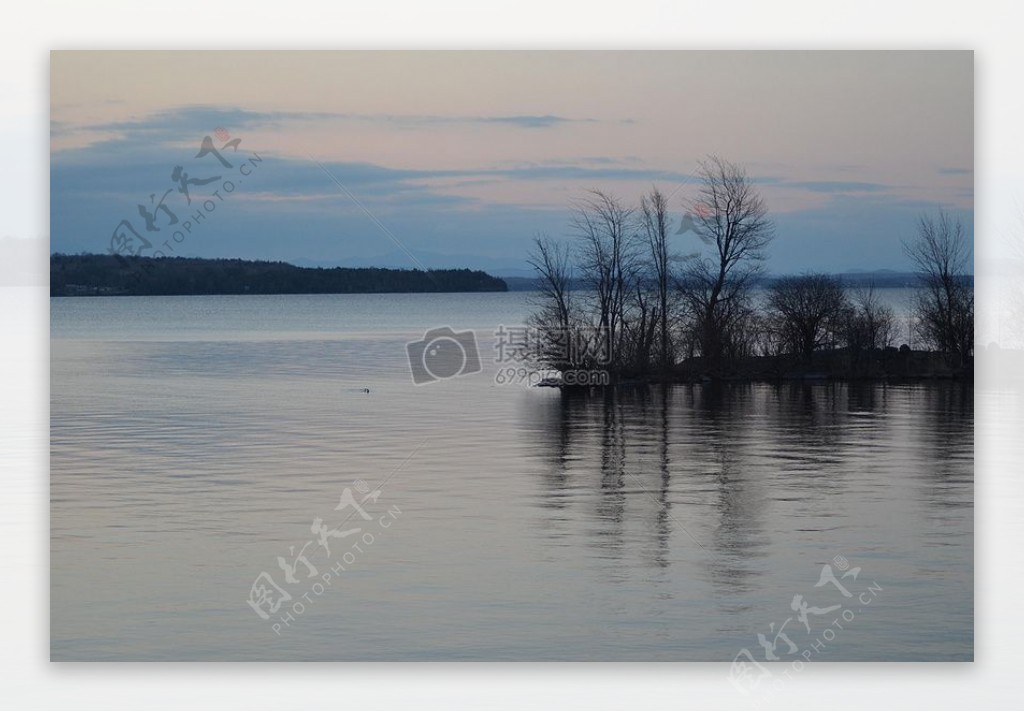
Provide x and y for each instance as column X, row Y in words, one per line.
column 607, row 259
column 638, row 332
column 806, row 311
column 732, row 220
column 654, row 221
column 944, row 307
column 552, row 262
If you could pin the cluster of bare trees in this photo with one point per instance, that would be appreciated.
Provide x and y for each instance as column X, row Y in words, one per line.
column 618, row 282
column 648, row 304
column 814, row 311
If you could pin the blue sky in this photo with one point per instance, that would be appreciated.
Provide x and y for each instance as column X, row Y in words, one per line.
column 460, row 159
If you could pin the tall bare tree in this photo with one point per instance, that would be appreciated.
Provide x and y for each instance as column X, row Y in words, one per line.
column 732, row 220
column 654, row 221
column 552, row 262
column 607, row 258
column 944, row 307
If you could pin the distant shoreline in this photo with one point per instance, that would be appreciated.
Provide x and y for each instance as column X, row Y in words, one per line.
column 91, row 275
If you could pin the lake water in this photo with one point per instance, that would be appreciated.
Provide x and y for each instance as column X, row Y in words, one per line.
column 194, row 440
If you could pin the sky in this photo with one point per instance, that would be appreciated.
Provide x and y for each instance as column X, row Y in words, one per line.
column 454, row 159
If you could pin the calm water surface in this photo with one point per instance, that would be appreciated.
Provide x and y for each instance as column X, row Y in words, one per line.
column 194, row 440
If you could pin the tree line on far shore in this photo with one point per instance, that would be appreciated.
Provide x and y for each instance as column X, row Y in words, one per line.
column 658, row 311
column 98, row 275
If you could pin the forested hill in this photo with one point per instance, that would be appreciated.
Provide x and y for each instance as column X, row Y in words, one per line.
column 95, row 275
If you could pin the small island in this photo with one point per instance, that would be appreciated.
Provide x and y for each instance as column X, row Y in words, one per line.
column 119, row 275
